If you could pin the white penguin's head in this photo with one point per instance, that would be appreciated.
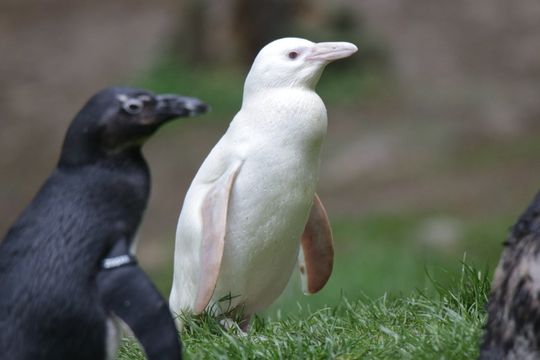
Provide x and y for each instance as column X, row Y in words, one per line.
column 293, row 62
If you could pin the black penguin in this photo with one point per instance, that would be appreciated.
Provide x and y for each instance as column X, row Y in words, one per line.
column 66, row 270
column 513, row 325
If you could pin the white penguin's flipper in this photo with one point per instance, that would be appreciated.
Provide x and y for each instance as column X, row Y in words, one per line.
column 214, row 223
column 316, row 256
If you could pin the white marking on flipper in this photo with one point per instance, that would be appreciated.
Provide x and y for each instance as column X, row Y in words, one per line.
column 113, row 336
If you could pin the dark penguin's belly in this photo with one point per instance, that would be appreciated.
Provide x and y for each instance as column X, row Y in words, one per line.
column 44, row 320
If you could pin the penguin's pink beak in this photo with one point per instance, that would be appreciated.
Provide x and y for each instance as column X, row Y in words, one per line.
column 330, row 51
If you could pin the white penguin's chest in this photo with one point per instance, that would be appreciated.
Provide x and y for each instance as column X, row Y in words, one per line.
column 268, row 210
column 270, row 195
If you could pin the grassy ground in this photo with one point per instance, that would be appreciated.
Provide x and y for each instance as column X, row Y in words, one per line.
column 444, row 325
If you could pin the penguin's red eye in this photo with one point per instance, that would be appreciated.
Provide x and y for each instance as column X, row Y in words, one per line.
column 293, row 55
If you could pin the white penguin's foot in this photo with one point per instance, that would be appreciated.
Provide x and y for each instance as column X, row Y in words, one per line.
column 229, row 324
column 242, row 327
column 179, row 324
column 244, row 324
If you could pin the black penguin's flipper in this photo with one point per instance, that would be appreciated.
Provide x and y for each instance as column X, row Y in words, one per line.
column 126, row 291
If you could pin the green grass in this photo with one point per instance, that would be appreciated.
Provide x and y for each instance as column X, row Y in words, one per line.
column 446, row 324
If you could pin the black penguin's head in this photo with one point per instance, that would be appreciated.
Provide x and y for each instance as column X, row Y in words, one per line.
column 118, row 119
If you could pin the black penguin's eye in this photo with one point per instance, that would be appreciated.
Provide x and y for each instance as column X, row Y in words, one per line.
column 132, row 106
column 293, row 55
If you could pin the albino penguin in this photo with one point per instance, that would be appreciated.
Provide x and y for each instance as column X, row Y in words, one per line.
column 253, row 202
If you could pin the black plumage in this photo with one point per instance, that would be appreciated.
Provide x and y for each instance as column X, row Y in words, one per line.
column 513, row 326
column 65, row 265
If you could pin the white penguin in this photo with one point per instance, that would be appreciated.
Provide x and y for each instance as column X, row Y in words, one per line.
column 253, row 202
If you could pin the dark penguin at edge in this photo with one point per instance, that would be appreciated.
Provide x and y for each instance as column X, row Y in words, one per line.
column 513, row 326
column 67, row 274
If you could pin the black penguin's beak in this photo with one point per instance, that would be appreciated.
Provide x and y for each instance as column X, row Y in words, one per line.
column 173, row 106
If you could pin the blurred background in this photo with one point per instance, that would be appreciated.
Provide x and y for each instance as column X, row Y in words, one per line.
column 434, row 125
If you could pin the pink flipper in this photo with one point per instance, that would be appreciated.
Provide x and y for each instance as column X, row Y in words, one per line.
column 214, row 224
column 316, row 256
